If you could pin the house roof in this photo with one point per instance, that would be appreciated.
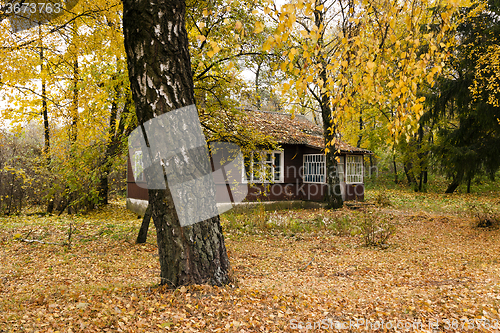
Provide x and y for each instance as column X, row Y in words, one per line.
column 287, row 129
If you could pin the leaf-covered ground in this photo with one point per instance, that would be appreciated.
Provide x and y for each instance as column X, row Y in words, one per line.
column 291, row 269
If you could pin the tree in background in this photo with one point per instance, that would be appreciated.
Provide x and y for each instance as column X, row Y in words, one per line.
column 466, row 99
column 70, row 74
column 347, row 54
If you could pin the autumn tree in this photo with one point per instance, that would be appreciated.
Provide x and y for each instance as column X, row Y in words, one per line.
column 351, row 53
column 156, row 43
column 60, row 72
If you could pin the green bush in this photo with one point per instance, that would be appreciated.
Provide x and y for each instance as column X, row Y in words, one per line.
column 340, row 225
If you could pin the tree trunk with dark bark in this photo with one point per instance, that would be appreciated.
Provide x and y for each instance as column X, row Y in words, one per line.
column 395, row 165
column 452, row 187
column 46, row 128
column 408, row 168
column 161, row 80
column 457, row 180
column 142, row 237
column 333, row 197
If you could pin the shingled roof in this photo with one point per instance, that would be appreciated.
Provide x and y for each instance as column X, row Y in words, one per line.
column 287, row 129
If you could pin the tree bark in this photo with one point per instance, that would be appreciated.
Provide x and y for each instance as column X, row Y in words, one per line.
column 452, row 187
column 396, row 181
column 361, row 125
column 143, row 232
column 457, row 180
column 408, row 167
column 46, row 128
column 333, row 197
column 161, row 81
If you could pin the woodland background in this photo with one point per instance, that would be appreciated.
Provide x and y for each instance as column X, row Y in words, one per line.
column 415, row 82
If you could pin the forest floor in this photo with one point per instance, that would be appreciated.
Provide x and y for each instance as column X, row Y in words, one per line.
column 429, row 269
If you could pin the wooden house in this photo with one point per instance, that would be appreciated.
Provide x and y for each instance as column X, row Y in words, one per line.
column 294, row 171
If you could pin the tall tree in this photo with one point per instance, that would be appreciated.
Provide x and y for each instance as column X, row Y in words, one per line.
column 82, row 96
column 159, row 65
column 340, row 51
column 466, row 99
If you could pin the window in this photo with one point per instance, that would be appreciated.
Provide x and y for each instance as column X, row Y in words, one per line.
column 340, row 168
column 137, row 166
column 354, row 169
column 314, row 168
column 264, row 167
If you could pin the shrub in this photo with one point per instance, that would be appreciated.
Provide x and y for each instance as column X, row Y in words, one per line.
column 484, row 216
column 376, row 229
column 383, row 200
column 278, row 220
column 340, row 225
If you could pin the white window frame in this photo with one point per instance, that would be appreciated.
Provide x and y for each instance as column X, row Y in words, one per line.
column 354, row 169
column 138, row 166
column 340, row 168
column 314, row 166
column 264, row 163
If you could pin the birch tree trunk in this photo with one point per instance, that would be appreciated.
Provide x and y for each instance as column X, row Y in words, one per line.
column 161, row 80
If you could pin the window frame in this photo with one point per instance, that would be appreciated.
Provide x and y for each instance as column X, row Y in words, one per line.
column 315, row 165
column 137, row 162
column 341, row 168
column 263, row 162
column 354, row 170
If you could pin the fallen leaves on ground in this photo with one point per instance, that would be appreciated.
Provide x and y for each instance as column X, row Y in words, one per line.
column 438, row 267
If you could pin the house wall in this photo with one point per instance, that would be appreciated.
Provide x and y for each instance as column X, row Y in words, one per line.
column 293, row 188
column 133, row 190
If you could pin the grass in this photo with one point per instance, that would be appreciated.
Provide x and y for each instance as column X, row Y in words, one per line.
column 289, row 266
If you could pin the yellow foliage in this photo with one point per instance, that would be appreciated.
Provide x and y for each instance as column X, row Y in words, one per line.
column 259, row 27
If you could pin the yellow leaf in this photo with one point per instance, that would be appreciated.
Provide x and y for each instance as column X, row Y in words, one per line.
column 259, row 27
column 205, row 12
column 238, row 25
column 268, row 44
column 370, row 65
column 286, row 86
column 267, row 10
column 201, row 38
